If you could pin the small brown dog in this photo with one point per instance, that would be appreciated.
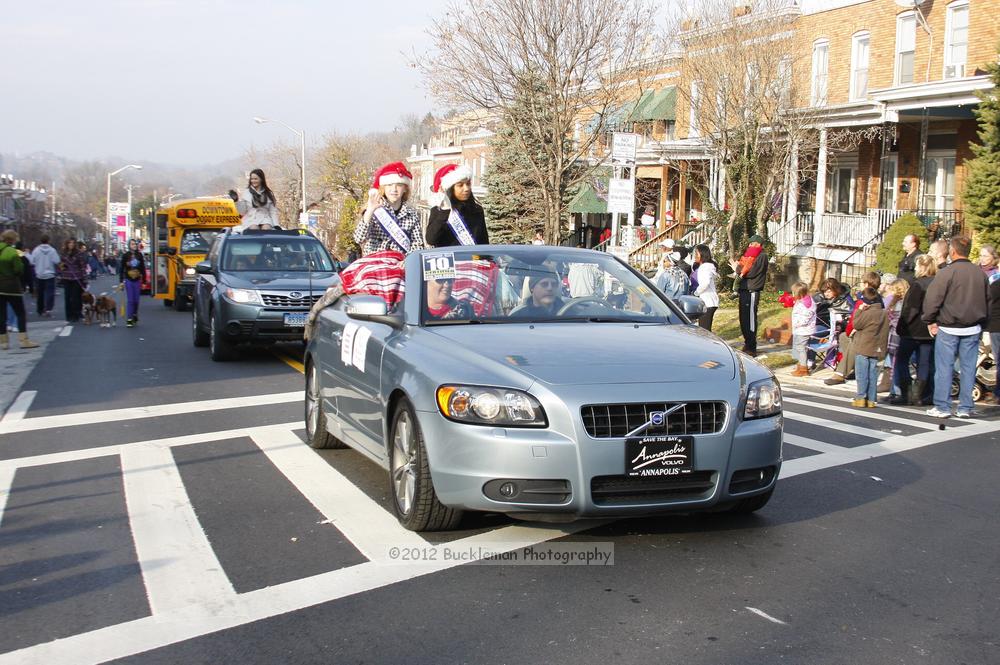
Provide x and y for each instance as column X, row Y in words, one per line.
column 106, row 310
column 88, row 307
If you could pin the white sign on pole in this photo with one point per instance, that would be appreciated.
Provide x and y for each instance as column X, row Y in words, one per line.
column 623, row 147
column 621, row 195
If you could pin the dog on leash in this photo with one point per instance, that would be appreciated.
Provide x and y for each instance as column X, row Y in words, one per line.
column 88, row 307
column 106, row 311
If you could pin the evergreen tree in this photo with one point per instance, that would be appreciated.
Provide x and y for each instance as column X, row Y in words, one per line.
column 981, row 197
column 514, row 203
column 890, row 250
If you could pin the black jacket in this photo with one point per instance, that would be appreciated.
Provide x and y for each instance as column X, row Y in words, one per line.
column 756, row 276
column 957, row 296
column 910, row 324
column 439, row 233
column 993, row 325
column 908, row 266
column 123, row 265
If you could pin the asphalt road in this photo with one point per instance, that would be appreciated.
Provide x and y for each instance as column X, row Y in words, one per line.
column 156, row 507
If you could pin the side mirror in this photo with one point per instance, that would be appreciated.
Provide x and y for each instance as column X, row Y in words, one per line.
column 692, row 306
column 372, row 308
column 203, row 268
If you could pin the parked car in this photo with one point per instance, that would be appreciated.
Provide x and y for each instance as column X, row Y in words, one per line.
column 483, row 390
column 258, row 287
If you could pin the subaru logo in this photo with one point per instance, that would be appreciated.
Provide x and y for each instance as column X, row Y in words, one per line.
column 656, row 418
column 295, row 294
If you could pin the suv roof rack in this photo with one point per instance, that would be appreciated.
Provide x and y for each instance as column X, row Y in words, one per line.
column 278, row 232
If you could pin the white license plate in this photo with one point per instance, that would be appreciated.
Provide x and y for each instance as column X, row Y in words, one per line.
column 296, row 319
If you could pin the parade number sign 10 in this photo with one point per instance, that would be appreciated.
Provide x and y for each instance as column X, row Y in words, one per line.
column 439, row 265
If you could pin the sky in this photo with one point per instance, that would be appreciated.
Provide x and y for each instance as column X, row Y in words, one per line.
column 179, row 81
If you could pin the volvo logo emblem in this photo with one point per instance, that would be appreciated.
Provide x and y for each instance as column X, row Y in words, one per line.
column 295, row 294
column 656, row 418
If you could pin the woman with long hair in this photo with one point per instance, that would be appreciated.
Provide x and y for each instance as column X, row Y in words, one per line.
column 388, row 223
column 705, row 277
column 257, row 204
column 73, row 275
column 457, row 219
column 131, row 272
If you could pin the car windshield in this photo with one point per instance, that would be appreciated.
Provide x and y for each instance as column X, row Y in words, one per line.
column 536, row 285
column 198, row 241
column 296, row 254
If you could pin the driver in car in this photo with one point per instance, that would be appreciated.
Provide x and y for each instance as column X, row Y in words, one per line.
column 441, row 306
column 544, row 300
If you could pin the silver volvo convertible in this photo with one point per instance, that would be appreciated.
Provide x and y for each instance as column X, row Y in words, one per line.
column 542, row 382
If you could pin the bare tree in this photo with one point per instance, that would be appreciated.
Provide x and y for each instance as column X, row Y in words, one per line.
column 588, row 54
column 738, row 87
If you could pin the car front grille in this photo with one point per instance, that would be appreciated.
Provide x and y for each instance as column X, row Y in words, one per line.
column 608, row 421
column 283, row 301
column 623, row 491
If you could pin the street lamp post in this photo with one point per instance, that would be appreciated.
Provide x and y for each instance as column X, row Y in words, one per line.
column 107, row 204
column 302, row 142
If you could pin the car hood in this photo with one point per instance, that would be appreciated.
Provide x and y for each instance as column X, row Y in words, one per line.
column 279, row 281
column 599, row 353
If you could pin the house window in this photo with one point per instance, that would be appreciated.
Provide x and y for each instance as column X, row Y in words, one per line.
column 820, row 72
column 694, row 129
column 888, row 196
column 939, row 182
column 859, row 65
column 784, row 82
column 906, row 47
column 956, row 40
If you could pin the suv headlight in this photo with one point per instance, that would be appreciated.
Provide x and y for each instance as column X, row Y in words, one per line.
column 244, row 296
column 763, row 400
column 480, row 405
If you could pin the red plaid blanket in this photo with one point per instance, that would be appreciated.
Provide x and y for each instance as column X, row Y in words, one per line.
column 379, row 274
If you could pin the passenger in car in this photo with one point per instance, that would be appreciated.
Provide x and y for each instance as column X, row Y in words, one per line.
column 441, row 305
column 544, row 300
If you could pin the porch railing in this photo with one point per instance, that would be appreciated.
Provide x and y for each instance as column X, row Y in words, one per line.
column 648, row 253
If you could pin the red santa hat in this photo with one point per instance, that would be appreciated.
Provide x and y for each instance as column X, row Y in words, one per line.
column 448, row 175
column 392, row 174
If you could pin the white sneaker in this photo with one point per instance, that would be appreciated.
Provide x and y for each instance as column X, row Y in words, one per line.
column 965, row 415
column 935, row 413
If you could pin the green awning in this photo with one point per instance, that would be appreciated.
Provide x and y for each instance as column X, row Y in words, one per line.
column 588, row 200
column 643, row 102
column 660, row 107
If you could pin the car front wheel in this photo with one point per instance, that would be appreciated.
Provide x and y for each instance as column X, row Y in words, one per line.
column 220, row 348
column 414, row 500
column 199, row 336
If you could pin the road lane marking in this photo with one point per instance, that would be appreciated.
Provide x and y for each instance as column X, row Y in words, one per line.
column 135, row 413
column 19, row 407
column 179, row 566
column 66, row 331
column 767, row 616
column 877, row 414
column 811, row 444
column 369, row 526
column 6, row 481
column 870, row 432
column 141, row 635
column 291, row 362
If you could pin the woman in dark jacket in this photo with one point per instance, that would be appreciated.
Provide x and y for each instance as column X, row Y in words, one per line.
column 458, row 219
column 131, row 273
column 914, row 338
column 73, row 274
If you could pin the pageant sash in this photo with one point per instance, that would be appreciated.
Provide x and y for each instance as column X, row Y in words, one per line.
column 391, row 226
column 460, row 229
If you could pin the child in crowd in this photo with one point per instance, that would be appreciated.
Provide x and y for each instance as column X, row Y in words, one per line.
column 803, row 326
column 870, row 339
column 893, row 295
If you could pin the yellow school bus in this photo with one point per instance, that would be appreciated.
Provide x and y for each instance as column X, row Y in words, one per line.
column 183, row 233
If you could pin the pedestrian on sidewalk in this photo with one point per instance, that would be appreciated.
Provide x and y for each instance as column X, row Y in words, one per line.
column 908, row 265
column 893, row 292
column 45, row 259
column 955, row 309
column 705, row 277
column 988, row 260
column 845, row 343
column 939, row 250
column 871, row 341
column 73, row 275
column 131, row 273
column 914, row 338
column 993, row 327
column 457, row 219
column 751, row 270
column 803, row 326
column 12, row 291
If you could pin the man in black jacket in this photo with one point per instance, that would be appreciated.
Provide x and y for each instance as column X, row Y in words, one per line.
column 752, row 272
column 908, row 266
column 955, row 309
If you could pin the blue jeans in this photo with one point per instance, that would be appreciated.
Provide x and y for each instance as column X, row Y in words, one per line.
column 866, row 372
column 45, row 294
column 946, row 348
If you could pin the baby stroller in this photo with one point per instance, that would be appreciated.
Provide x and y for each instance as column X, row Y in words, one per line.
column 986, row 373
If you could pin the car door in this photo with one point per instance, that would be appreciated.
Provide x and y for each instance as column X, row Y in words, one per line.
column 205, row 285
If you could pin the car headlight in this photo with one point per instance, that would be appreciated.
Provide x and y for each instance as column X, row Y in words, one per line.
column 244, row 296
column 481, row 405
column 189, row 271
column 763, row 400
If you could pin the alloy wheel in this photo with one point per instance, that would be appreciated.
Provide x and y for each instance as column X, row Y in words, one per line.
column 404, row 461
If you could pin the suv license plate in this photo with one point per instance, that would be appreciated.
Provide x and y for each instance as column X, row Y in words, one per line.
column 296, row 319
column 658, row 456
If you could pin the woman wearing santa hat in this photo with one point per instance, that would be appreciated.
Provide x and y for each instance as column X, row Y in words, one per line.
column 458, row 218
column 388, row 223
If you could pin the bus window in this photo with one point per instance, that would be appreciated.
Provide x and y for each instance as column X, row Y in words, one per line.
column 198, row 241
